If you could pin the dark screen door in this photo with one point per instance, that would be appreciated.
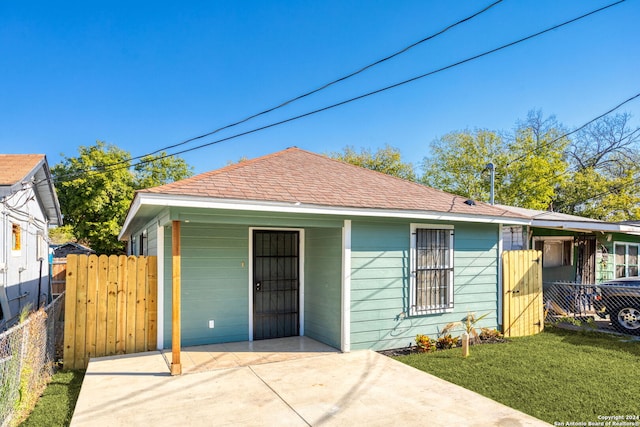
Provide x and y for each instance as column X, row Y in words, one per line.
column 276, row 284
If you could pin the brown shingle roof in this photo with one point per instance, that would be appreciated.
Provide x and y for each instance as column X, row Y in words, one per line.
column 15, row 167
column 294, row 175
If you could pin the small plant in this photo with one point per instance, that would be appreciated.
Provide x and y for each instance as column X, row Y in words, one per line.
column 468, row 324
column 24, row 313
column 487, row 334
column 569, row 320
column 446, row 342
column 425, row 344
column 591, row 323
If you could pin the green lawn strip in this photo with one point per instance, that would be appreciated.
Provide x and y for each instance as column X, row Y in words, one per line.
column 55, row 406
column 556, row 376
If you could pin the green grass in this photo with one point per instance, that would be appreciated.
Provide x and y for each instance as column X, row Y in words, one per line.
column 55, row 406
column 556, row 376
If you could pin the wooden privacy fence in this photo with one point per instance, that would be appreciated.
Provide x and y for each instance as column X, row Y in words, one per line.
column 58, row 275
column 523, row 308
column 110, row 307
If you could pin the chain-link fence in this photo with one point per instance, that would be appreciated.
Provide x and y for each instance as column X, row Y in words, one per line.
column 613, row 305
column 28, row 352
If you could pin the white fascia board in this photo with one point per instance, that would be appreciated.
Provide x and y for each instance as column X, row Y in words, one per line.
column 284, row 207
column 603, row 227
column 629, row 229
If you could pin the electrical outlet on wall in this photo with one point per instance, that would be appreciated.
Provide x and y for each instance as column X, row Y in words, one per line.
column 211, row 324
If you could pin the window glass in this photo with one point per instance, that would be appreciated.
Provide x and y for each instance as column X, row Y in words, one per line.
column 552, row 256
column 626, row 260
column 15, row 237
column 555, row 253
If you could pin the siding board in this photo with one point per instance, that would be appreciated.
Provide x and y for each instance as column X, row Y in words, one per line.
column 323, row 273
column 215, row 284
column 381, row 280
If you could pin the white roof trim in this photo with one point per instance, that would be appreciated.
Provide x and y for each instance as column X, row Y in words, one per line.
column 171, row 200
column 604, row 227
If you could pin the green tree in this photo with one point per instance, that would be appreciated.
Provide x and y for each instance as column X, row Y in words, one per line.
column 159, row 170
column 387, row 160
column 62, row 234
column 605, row 172
column 458, row 162
column 95, row 190
column 529, row 164
column 536, row 165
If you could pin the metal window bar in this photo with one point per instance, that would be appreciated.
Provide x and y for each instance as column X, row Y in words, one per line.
column 433, row 269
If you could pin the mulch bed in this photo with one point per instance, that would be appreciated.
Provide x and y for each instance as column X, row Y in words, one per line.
column 404, row 351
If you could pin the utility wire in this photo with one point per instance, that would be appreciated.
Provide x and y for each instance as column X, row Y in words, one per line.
column 304, row 95
column 553, row 141
column 393, row 86
column 570, row 170
column 350, row 100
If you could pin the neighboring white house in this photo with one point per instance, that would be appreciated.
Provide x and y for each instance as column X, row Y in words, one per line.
column 28, row 206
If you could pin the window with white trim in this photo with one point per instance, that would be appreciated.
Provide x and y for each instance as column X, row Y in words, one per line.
column 626, row 259
column 431, row 268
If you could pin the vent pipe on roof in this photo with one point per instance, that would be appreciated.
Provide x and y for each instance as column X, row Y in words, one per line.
column 492, row 171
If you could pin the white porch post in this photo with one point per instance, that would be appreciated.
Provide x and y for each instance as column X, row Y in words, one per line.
column 345, row 341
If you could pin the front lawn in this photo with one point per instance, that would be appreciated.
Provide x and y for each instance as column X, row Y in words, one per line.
column 557, row 376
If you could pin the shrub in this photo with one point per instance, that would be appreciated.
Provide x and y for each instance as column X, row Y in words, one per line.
column 425, row 344
column 447, row 341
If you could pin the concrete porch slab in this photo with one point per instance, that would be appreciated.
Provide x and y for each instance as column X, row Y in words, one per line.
column 319, row 388
column 232, row 355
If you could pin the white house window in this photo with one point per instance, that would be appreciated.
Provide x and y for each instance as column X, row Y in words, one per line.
column 556, row 252
column 16, row 238
column 626, row 259
column 431, row 269
column 141, row 242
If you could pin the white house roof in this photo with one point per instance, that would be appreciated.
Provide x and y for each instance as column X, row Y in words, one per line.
column 557, row 220
column 19, row 170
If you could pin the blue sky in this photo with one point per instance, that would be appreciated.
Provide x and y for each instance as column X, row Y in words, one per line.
column 144, row 75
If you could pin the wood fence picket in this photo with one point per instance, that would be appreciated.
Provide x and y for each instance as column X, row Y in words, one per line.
column 110, row 307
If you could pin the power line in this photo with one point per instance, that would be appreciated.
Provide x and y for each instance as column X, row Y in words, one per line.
column 307, row 94
column 522, row 156
column 393, row 86
column 569, row 170
column 366, row 95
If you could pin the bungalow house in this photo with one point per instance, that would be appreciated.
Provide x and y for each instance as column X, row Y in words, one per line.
column 296, row 243
column 29, row 205
column 574, row 248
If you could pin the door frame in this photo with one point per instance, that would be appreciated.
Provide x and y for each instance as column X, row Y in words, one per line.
column 301, row 275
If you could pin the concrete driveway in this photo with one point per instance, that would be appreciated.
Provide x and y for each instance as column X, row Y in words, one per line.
column 309, row 385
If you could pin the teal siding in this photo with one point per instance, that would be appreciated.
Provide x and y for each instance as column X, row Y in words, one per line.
column 215, row 284
column 152, row 241
column 215, row 277
column 322, row 292
column 380, row 317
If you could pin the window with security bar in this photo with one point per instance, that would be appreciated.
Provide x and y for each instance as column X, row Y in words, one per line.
column 432, row 269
